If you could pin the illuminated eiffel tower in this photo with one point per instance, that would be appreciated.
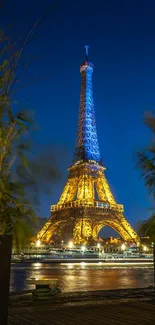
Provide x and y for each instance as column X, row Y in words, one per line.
column 86, row 203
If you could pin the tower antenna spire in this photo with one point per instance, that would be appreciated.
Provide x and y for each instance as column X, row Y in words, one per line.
column 86, row 54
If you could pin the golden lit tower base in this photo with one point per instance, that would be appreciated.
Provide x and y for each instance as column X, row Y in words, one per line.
column 86, row 204
column 79, row 209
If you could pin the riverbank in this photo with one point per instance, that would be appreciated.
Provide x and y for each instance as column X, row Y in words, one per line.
column 104, row 261
column 108, row 307
column 25, row 298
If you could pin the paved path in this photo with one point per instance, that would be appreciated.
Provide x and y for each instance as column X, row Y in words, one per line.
column 129, row 313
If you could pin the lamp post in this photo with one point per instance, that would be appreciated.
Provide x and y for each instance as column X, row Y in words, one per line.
column 144, row 248
column 70, row 244
column 38, row 243
column 98, row 246
column 123, row 247
column 83, row 248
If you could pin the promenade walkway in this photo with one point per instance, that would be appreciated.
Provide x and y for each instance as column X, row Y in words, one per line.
column 114, row 307
column 133, row 313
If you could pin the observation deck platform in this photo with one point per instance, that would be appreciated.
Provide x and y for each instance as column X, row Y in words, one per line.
column 88, row 204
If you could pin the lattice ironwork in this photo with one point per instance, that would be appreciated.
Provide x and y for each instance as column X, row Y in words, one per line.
column 87, row 203
column 86, row 142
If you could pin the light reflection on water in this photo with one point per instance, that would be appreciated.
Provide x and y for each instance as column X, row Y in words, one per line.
column 82, row 277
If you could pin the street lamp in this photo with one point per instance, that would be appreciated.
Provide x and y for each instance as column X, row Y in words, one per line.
column 38, row 243
column 83, row 248
column 70, row 244
column 145, row 248
column 123, row 247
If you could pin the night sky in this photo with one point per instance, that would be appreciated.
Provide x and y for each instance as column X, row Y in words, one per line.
column 121, row 36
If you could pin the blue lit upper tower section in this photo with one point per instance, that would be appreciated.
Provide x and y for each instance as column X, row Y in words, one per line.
column 87, row 147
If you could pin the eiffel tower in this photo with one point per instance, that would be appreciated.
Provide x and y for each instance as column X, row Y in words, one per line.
column 86, row 203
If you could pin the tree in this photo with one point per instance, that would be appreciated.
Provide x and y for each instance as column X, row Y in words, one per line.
column 23, row 172
column 146, row 163
column 23, row 175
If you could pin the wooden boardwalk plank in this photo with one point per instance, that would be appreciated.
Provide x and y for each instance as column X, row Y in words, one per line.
column 108, row 314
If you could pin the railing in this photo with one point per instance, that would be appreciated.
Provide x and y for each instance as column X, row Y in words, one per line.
column 88, row 204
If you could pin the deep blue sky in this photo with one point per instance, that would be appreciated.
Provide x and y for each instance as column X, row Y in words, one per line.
column 121, row 36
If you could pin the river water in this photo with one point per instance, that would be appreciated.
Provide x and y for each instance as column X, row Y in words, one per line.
column 82, row 277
